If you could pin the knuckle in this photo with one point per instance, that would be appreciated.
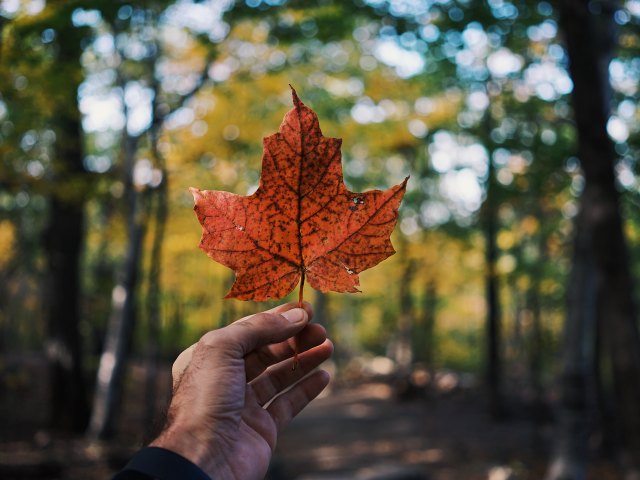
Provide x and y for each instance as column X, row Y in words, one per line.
column 262, row 319
column 210, row 339
column 216, row 343
column 256, row 325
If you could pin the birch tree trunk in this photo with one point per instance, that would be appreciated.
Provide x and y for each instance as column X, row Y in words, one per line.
column 120, row 327
column 123, row 313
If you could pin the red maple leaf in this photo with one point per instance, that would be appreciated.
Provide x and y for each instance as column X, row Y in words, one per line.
column 302, row 220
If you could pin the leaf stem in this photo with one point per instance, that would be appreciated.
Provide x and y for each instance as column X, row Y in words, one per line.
column 301, row 290
column 300, row 297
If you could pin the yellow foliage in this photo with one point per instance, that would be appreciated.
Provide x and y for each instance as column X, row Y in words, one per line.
column 7, row 242
column 548, row 287
column 371, row 325
column 505, row 239
column 529, row 225
column 523, row 283
column 632, row 232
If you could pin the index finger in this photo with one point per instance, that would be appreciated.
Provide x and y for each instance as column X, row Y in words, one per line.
column 242, row 337
column 183, row 360
column 283, row 308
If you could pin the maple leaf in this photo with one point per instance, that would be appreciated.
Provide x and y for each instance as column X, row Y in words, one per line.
column 302, row 220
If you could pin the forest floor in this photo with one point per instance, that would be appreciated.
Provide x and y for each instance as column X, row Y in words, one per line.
column 361, row 429
column 364, row 432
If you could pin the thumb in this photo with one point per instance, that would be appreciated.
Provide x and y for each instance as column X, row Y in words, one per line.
column 245, row 335
column 261, row 329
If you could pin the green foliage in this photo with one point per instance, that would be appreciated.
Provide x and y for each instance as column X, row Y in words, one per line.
column 460, row 350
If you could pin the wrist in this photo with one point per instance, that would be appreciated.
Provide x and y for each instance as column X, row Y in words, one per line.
column 201, row 452
column 160, row 463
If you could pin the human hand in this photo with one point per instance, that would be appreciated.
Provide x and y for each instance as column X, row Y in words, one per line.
column 228, row 407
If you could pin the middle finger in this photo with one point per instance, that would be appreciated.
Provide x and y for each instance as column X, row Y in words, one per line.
column 261, row 358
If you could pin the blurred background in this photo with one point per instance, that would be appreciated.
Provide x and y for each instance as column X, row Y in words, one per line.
column 500, row 342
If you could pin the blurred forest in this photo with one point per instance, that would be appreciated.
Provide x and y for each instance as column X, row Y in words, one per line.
column 512, row 292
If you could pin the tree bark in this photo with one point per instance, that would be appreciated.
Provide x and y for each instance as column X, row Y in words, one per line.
column 63, row 242
column 160, row 193
column 403, row 349
column 153, row 309
column 404, row 344
column 589, row 31
column 430, row 304
column 493, row 363
column 577, row 389
column 536, row 336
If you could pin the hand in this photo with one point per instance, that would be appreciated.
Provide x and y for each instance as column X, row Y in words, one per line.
column 225, row 414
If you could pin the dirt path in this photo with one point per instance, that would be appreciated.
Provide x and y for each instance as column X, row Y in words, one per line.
column 362, row 432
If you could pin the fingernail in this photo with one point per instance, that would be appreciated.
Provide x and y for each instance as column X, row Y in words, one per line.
column 295, row 315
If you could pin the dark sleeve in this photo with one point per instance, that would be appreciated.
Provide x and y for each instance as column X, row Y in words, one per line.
column 158, row 463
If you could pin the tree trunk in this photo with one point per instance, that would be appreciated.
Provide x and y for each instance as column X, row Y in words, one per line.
column 121, row 323
column 153, row 297
column 64, row 238
column 493, row 363
column 153, row 308
column 608, row 435
column 114, row 357
column 519, row 306
column 577, row 400
column 536, row 337
column 403, row 351
column 430, row 303
column 589, row 31
column 109, row 382
column 63, row 242
column 406, row 315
